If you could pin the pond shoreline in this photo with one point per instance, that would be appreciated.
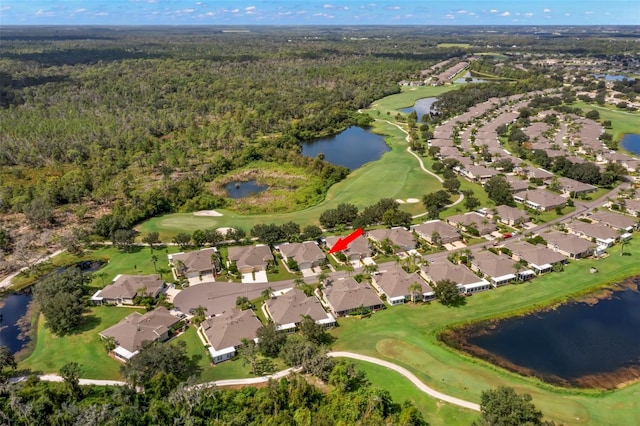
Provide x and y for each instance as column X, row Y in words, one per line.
column 457, row 338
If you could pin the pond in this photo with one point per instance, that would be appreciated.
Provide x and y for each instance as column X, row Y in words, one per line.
column 631, row 143
column 351, row 148
column 243, row 189
column 612, row 77
column 421, row 107
column 584, row 344
column 13, row 308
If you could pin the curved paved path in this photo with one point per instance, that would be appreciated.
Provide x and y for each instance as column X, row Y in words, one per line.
column 424, row 169
column 6, row 282
column 412, row 378
column 257, row 380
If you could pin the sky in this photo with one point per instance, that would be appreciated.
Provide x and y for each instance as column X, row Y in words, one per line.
column 319, row 12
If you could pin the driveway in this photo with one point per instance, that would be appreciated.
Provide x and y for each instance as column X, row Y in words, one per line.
column 256, row 277
column 308, row 272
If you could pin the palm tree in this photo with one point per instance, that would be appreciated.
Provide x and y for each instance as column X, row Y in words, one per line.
column 322, row 276
column 298, row 282
column 199, row 314
column 154, row 259
column 414, row 288
column 181, row 268
column 267, row 293
column 216, row 262
column 370, row 268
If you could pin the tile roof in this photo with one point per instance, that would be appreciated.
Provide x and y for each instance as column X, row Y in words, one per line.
column 136, row 328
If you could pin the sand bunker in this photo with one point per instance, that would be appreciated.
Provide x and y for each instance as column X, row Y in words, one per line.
column 412, row 200
column 207, row 213
column 223, row 230
column 399, row 201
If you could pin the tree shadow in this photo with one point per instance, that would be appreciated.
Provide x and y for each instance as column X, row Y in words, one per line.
column 89, row 323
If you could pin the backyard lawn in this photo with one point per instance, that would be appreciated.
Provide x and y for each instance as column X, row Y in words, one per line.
column 407, row 335
column 83, row 346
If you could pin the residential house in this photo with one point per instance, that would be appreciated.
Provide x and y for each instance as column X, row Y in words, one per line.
column 511, row 216
column 536, row 173
column 223, row 334
column 499, row 268
column 569, row 245
column 632, row 206
column 517, row 184
column 601, row 234
column 288, row 309
column 615, row 220
column 539, row 258
column 401, row 239
column 568, row 186
column 250, row 259
column 135, row 329
column 194, row 263
column 480, row 223
column 437, row 228
column 343, row 296
column 306, row 255
column 540, row 200
column 394, row 282
column 358, row 249
column 479, row 174
column 124, row 288
column 466, row 280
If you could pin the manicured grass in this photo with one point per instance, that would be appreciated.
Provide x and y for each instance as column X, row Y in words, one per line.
column 407, row 335
column 435, row 412
column 460, row 45
column 621, row 121
column 83, row 346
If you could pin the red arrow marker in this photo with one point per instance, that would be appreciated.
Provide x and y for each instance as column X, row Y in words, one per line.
column 343, row 243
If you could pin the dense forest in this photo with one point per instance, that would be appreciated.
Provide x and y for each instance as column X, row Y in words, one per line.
column 124, row 124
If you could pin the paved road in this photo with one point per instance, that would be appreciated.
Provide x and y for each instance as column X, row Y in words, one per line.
column 6, row 282
column 412, row 378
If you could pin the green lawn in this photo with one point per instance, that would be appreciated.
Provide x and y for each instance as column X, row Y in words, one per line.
column 435, row 412
column 621, row 121
column 407, row 335
column 84, row 346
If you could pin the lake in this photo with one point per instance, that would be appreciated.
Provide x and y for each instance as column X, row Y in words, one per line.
column 612, row 77
column 584, row 344
column 631, row 142
column 463, row 79
column 13, row 307
column 421, row 107
column 351, row 148
column 243, row 189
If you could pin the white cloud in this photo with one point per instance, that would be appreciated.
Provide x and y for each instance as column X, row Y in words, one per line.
column 528, row 14
column 589, row 12
column 210, row 14
column 287, row 13
column 472, row 14
column 198, row 3
column 100, row 14
column 567, row 14
column 505, row 13
column 547, row 10
column 5, row 8
column 235, row 10
column 327, row 6
column 188, row 10
column 493, row 11
column 450, row 16
column 79, row 10
column 393, row 7
column 249, row 8
column 461, row 12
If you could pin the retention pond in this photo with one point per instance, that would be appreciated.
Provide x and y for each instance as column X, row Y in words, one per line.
column 590, row 343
